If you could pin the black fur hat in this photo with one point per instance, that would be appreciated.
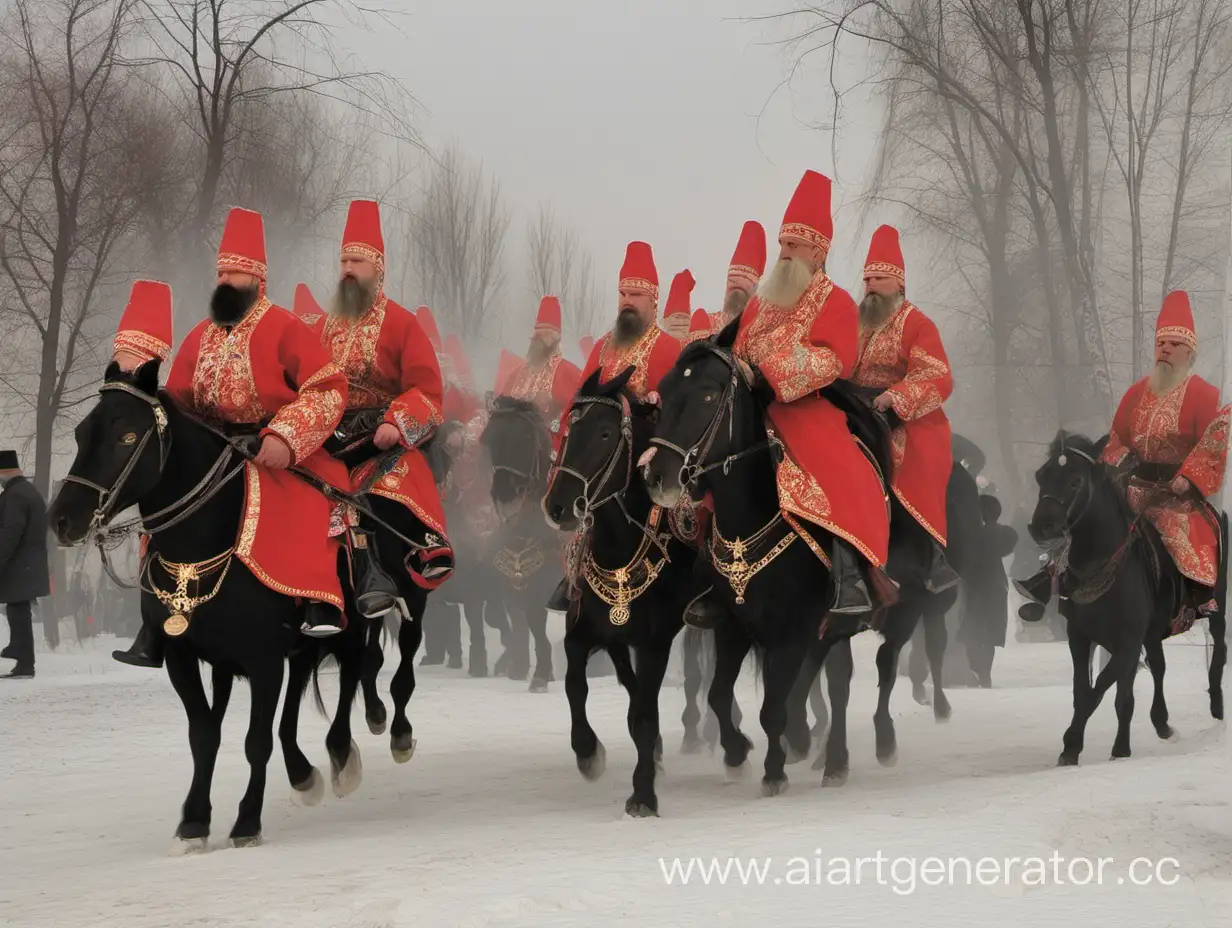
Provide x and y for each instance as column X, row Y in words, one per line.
column 8, row 460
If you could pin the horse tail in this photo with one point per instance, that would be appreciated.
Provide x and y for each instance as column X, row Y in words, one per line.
column 324, row 658
column 698, row 642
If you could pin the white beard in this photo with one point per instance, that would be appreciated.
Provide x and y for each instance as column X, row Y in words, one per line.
column 875, row 309
column 786, row 282
column 1165, row 378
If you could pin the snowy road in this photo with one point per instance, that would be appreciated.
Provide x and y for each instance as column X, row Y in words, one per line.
column 491, row 825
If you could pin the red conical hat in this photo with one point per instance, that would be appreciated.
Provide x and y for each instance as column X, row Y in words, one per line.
column 885, row 257
column 145, row 326
column 1176, row 320
column 808, row 214
column 427, row 322
column 587, row 344
column 749, row 258
column 242, row 247
column 549, row 315
column 506, row 367
column 678, row 295
column 700, row 322
column 638, row 272
column 362, row 236
column 457, row 355
column 305, row 305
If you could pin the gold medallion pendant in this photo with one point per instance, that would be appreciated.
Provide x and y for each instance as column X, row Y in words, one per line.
column 618, row 614
column 176, row 625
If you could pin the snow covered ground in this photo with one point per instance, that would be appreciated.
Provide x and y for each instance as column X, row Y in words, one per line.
column 491, row 825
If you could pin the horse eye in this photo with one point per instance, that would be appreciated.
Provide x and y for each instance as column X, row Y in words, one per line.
column 708, row 398
column 607, row 434
column 128, row 438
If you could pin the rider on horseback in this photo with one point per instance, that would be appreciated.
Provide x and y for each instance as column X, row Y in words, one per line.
column 676, row 317
column 901, row 355
column 254, row 368
column 1170, row 437
column 748, row 263
column 545, row 378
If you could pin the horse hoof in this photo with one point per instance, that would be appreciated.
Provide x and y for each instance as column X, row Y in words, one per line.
column 247, row 840
column 1217, row 706
column 691, row 743
column 377, row 728
column 773, row 787
column 1118, row 755
column 736, row 773
column 1066, row 761
column 182, row 847
column 402, row 748
column 942, row 713
column 538, row 686
column 636, row 809
column 310, row 792
column 920, row 694
column 592, row 768
column 835, row 778
column 793, row 756
column 1167, row 733
column 347, row 780
column 888, row 759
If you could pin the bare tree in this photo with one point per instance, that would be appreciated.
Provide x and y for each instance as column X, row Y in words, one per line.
column 557, row 264
column 458, row 234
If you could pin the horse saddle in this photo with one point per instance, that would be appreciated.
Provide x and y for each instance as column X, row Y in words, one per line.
column 871, row 429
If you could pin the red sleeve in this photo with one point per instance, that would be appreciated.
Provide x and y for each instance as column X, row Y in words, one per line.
column 664, row 354
column 183, row 367
column 565, row 384
column 592, row 363
column 1119, row 436
column 929, row 381
column 1205, row 465
column 419, row 409
column 312, row 416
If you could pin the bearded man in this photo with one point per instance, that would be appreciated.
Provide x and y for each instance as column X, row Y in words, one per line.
column 255, row 368
column 801, row 333
column 545, row 379
column 676, row 317
column 396, row 401
column 1170, row 429
column 748, row 263
column 901, row 355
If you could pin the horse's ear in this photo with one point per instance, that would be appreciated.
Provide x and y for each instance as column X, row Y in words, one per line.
column 113, row 372
column 146, row 377
column 590, row 386
column 727, row 337
column 617, row 383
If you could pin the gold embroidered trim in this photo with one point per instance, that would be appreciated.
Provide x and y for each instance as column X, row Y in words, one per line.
column 143, row 344
column 1182, row 334
column 805, row 233
column 244, row 265
column 639, row 283
column 743, row 271
column 885, row 269
column 362, row 250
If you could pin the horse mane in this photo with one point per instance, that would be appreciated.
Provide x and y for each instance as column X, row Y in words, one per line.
column 507, row 404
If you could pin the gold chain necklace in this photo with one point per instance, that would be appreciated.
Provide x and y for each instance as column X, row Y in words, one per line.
column 739, row 572
column 179, row 603
column 618, row 588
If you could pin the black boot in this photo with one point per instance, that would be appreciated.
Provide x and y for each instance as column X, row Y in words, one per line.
column 704, row 611
column 376, row 594
column 1202, row 598
column 559, row 600
column 145, row 651
column 1036, row 589
column 941, row 576
column 322, row 620
column 851, row 595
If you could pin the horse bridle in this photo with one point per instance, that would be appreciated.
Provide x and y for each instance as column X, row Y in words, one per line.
column 527, row 480
column 693, row 465
column 1070, row 518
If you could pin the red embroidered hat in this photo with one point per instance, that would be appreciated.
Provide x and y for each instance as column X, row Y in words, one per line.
column 587, row 344
column 305, row 305
column 1176, row 320
column 638, row 272
column 749, row 259
column 807, row 217
column 242, row 248
column 506, row 367
column 145, row 327
column 885, row 257
column 362, row 236
column 548, row 317
column 678, row 294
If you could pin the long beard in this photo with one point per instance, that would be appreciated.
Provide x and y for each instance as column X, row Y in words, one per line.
column 876, row 308
column 539, row 351
column 353, row 298
column 630, row 326
column 228, row 304
column 786, row 283
column 1166, row 378
column 734, row 303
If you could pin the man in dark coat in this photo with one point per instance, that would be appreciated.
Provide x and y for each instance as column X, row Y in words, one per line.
column 25, row 574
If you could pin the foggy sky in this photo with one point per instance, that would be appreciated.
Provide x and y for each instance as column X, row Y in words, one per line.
column 637, row 119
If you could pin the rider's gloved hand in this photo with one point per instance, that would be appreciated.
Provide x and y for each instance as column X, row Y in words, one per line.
column 762, row 391
column 274, row 454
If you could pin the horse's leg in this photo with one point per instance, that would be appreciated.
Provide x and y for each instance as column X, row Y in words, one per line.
column 519, row 642
column 307, row 787
column 478, row 658
column 783, row 662
column 917, row 668
column 265, row 683
column 731, row 645
column 821, row 714
column 835, row 759
column 451, row 629
column 1218, row 627
column 587, row 748
column 204, row 735
column 1159, row 707
column 346, row 765
column 1124, row 667
column 496, row 616
column 936, row 638
column 690, row 651
column 373, row 660
column 797, row 740
column 401, row 734
column 644, row 726
column 537, row 621
column 1080, row 655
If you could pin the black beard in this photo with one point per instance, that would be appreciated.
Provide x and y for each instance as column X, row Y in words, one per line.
column 353, row 298
column 228, row 304
column 629, row 327
column 734, row 303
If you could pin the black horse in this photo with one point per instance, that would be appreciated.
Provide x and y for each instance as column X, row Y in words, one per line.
column 137, row 448
column 523, row 553
column 633, row 573
column 1120, row 588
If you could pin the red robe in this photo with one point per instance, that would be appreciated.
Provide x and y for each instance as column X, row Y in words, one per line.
column 824, row 477
column 460, row 404
column 390, row 364
column 550, row 386
column 270, row 365
column 652, row 355
column 905, row 356
column 1185, row 428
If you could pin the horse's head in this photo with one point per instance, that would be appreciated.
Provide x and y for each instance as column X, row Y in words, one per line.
column 1066, row 483
column 519, row 446
column 608, row 428
column 706, row 417
column 121, row 448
